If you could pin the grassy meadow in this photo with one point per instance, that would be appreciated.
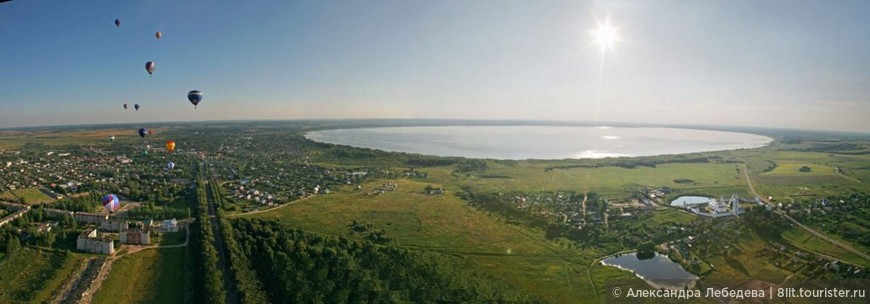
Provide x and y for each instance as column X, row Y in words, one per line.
column 32, row 275
column 610, row 180
column 443, row 223
column 15, row 139
column 149, row 276
column 30, row 195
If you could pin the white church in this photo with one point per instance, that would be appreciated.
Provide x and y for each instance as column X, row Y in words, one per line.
column 719, row 208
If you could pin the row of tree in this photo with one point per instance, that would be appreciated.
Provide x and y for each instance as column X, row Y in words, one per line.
column 208, row 275
column 249, row 288
column 150, row 211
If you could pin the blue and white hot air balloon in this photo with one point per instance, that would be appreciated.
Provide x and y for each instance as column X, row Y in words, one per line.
column 195, row 97
column 111, row 202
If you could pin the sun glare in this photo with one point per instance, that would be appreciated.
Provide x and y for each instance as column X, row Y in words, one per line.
column 605, row 35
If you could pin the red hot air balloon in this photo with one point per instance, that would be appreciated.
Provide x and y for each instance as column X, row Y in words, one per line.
column 150, row 67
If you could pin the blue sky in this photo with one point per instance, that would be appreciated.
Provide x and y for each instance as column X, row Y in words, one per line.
column 791, row 64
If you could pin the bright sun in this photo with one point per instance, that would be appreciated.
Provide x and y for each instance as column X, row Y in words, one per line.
column 605, row 35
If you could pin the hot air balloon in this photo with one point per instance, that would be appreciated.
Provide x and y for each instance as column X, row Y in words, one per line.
column 117, row 22
column 170, row 166
column 145, row 152
column 143, row 132
column 112, row 138
column 150, row 67
column 125, row 106
column 170, row 146
column 150, row 132
column 158, row 35
column 111, row 202
column 195, row 97
column 136, row 106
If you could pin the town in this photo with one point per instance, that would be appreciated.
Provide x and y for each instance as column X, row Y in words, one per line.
column 223, row 178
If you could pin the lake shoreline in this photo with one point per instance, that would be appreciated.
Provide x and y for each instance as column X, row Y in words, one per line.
column 650, row 282
column 532, row 142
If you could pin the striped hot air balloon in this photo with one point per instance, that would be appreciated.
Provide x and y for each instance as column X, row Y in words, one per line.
column 111, row 202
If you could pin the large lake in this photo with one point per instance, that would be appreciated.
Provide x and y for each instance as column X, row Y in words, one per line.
column 539, row 142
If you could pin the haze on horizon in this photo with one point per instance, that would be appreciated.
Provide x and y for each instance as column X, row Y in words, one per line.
column 784, row 64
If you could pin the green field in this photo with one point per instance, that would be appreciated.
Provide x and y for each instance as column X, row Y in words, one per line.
column 173, row 238
column 546, row 268
column 612, row 181
column 443, row 223
column 793, row 169
column 33, row 275
column 30, row 196
column 12, row 139
column 804, row 240
column 8, row 196
column 662, row 216
column 743, row 262
column 830, row 174
column 149, row 276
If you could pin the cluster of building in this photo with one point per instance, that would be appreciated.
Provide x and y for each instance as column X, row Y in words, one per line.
column 388, row 186
column 65, row 169
column 718, row 208
column 17, row 211
column 94, row 241
column 271, row 175
column 255, row 196
column 65, row 173
column 430, row 190
column 91, row 241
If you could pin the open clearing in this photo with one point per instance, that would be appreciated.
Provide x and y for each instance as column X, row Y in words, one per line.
column 793, row 169
column 149, row 276
column 30, row 195
column 32, row 275
column 610, row 180
column 443, row 223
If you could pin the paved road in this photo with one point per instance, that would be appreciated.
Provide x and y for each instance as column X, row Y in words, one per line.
column 271, row 209
column 808, row 229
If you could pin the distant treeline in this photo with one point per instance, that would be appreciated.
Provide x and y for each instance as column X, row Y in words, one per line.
column 633, row 163
column 840, row 148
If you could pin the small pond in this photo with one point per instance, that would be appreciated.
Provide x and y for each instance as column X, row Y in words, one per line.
column 658, row 271
column 684, row 201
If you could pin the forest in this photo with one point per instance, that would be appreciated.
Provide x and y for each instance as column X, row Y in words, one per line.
column 294, row 266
